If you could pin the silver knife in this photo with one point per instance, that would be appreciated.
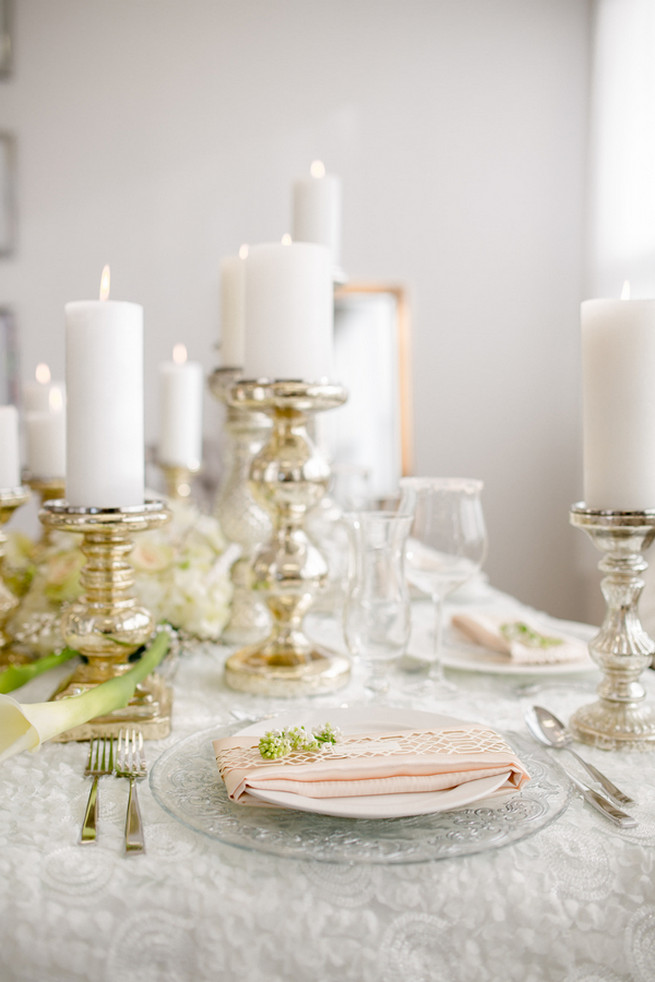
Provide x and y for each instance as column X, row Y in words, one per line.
column 603, row 804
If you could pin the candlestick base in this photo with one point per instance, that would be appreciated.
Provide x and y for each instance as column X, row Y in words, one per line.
column 289, row 477
column 622, row 649
column 106, row 625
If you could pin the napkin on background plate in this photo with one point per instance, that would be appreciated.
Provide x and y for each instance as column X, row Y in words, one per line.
column 526, row 641
column 383, row 763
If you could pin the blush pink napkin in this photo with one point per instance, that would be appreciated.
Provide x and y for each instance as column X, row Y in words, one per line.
column 485, row 630
column 371, row 764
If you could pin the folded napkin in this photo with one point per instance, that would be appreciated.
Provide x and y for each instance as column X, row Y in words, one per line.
column 524, row 641
column 372, row 764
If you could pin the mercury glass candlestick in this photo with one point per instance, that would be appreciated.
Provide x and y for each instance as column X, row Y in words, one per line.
column 621, row 718
column 178, row 479
column 107, row 624
column 289, row 477
column 10, row 500
column 48, row 489
column 242, row 520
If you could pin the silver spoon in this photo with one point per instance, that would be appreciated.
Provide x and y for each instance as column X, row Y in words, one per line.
column 549, row 730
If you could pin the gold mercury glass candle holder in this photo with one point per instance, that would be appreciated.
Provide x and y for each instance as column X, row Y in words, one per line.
column 10, row 500
column 289, row 477
column 241, row 518
column 48, row 489
column 621, row 718
column 178, row 480
column 106, row 625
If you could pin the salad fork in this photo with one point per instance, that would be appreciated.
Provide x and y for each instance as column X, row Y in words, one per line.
column 100, row 761
column 131, row 763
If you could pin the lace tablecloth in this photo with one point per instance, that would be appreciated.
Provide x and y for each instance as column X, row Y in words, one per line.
column 574, row 902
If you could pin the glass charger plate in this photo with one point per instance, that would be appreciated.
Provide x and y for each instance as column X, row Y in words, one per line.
column 186, row 783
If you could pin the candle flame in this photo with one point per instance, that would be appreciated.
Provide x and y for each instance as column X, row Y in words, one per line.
column 625, row 292
column 42, row 373
column 286, row 239
column 104, row 283
column 179, row 354
column 55, row 400
column 243, row 251
column 317, row 169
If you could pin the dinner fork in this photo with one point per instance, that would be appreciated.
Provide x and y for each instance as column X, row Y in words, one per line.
column 131, row 763
column 100, row 761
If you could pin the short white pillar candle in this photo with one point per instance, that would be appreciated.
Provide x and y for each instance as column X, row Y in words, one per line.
column 618, row 355
column 105, row 419
column 289, row 312
column 9, row 452
column 180, row 403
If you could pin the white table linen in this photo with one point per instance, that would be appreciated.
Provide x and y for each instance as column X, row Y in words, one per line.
column 573, row 903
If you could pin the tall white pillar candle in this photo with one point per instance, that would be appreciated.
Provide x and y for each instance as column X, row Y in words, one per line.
column 289, row 312
column 181, row 392
column 618, row 357
column 46, row 440
column 104, row 381
column 317, row 211
column 233, row 295
column 9, row 453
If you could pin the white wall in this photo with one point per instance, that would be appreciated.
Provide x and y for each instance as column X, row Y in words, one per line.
column 158, row 135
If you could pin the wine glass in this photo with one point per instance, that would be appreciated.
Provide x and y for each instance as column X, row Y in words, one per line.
column 377, row 617
column 446, row 547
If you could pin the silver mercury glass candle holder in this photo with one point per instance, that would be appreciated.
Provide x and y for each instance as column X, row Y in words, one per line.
column 241, row 518
column 106, row 625
column 178, row 479
column 621, row 718
column 289, row 477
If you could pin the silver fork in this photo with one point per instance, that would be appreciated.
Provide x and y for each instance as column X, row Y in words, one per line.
column 100, row 761
column 131, row 763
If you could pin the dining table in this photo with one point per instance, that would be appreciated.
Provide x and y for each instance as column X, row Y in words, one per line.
column 538, row 887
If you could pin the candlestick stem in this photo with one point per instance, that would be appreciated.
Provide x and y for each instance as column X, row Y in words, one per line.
column 289, row 477
column 621, row 719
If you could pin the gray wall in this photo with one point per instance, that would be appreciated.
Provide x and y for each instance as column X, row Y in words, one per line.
column 158, row 136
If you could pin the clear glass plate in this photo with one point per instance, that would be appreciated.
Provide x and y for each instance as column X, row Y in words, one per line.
column 186, row 783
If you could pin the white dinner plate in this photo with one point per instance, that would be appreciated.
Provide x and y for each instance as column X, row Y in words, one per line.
column 475, row 658
column 372, row 720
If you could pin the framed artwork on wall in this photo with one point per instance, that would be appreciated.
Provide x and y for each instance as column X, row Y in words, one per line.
column 7, row 194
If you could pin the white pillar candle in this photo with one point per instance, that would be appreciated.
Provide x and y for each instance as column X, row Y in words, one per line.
column 36, row 394
column 46, row 444
column 289, row 312
column 104, row 419
column 181, row 391
column 9, row 454
column 233, row 295
column 317, row 210
column 618, row 356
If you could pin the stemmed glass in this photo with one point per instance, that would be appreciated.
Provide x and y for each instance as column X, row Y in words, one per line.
column 446, row 547
column 377, row 618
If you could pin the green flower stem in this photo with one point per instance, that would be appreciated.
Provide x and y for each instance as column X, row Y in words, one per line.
column 25, row 726
column 16, row 675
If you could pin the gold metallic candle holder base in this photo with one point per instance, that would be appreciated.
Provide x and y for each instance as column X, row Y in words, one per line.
column 10, row 500
column 178, row 480
column 106, row 625
column 289, row 477
column 621, row 719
